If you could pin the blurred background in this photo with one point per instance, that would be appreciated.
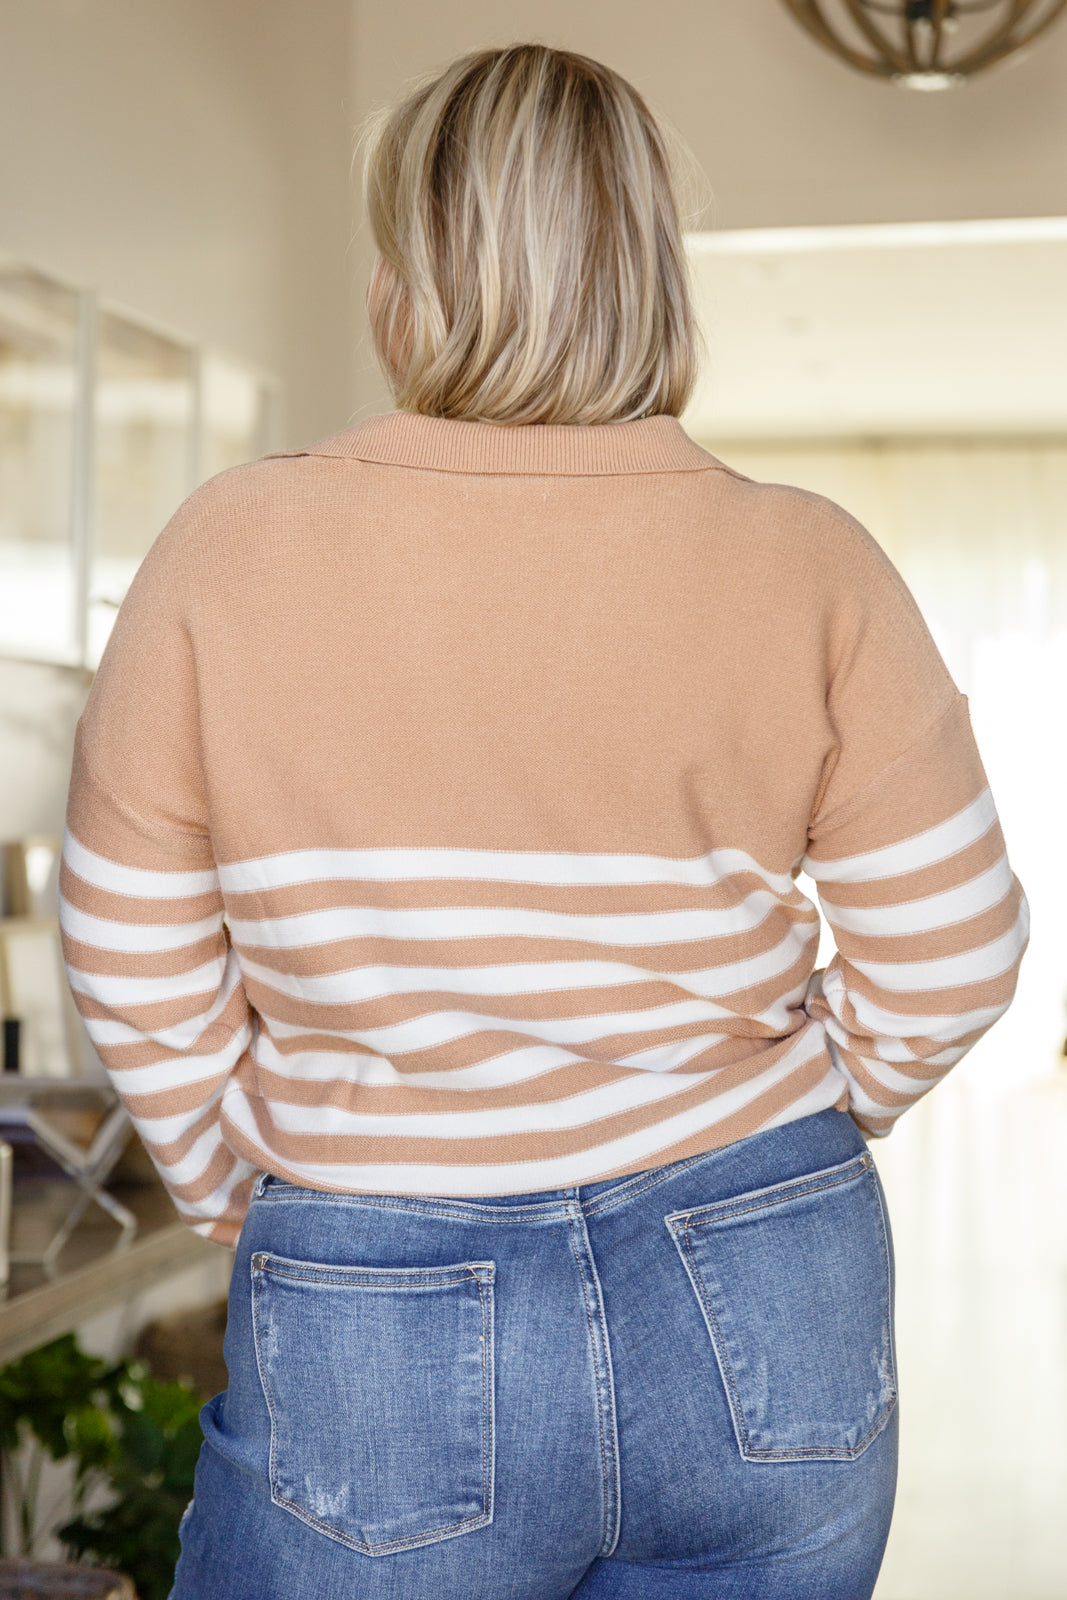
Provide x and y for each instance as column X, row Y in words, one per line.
column 881, row 279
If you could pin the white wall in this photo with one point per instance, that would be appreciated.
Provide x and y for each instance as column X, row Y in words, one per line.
column 190, row 159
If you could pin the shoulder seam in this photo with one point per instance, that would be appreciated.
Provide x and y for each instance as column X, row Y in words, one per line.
column 131, row 811
column 833, row 818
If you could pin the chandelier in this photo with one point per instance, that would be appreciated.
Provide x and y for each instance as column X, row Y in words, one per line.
column 925, row 44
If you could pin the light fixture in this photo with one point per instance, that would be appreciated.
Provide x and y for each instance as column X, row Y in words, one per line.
column 925, row 44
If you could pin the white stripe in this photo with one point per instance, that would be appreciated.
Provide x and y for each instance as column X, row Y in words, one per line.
column 874, row 1020
column 433, row 1028
column 573, row 1111
column 900, row 1082
column 215, row 1205
column 778, row 1019
column 325, row 1066
column 498, row 866
column 498, row 1072
column 900, row 1051
column 109, row 990
column 357, row 984
column 180, row 1072
column 881, row 1071
column 859, row 1099
column 519, row 1176
column 193, row 1164
column 135, row 881
column 909, row 855
column 165, row 1130
column 826, row 1093
column 944, row 910
column 489, row 922
column 950, row 972
column 134, row 938
column 105, row 1031
column 665, row 1057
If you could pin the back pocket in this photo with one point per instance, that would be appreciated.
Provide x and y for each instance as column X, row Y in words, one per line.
column 379, row 1383
column 795, row 1283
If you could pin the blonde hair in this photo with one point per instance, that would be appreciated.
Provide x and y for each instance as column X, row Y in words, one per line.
column 531, row 267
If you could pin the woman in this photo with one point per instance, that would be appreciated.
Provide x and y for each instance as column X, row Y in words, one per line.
column 429, row 892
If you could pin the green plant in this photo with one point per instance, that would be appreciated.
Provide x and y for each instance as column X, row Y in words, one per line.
column 122, row 1429
column 55, row 1401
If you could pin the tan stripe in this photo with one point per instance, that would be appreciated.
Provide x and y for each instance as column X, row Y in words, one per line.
column 170, row 1153
column 129, row 908
column 951, row 873
column 933, row 1002
column 285, row 1152
column 483, row 1044
column 492, row 951
column 359, row 1149
column 173, row 1102
column 146, row 1052
column 213, row 1176
column 874, row 1124
column 89, row 958
column 156, row 1017
column 544, row 1005
column 500, row 894
column 862, row 1038
column 380, row 1099
column 956, row 939
column 879, row 1092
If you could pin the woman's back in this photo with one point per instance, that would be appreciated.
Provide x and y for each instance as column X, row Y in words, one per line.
column 507, row 743
column 429, row 892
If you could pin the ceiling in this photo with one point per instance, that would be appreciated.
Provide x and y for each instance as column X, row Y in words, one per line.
column 892, row 329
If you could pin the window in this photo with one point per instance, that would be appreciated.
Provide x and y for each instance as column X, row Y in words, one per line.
column 106, row 425
column 38, row 409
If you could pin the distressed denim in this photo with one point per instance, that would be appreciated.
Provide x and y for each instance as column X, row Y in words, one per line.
column 678, row 1383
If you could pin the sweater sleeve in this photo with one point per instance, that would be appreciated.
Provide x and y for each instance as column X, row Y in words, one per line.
column 146, row 947
column 907, row 854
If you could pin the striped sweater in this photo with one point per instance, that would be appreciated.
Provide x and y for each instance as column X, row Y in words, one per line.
column 437, row 810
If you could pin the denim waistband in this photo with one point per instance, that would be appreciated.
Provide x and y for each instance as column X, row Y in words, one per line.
column 546, row 1205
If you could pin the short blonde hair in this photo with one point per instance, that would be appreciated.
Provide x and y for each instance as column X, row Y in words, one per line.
column 531, row 260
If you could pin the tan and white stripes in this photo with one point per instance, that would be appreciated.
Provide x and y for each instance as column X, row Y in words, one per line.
column 437, row 810
column 505, row 1045
column 930, row 932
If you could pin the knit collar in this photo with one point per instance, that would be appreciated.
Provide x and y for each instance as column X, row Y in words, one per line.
column 441, row 444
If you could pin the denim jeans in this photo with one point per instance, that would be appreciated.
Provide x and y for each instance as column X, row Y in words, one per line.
column 678, row 1383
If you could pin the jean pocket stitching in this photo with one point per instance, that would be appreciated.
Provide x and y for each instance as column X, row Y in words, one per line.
column 388, row 1547
column 774, row 1194
column 483, row 1278
column 366, row 1277
column 679, row 1225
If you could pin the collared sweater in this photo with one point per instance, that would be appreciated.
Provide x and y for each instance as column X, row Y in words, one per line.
column 438, row 805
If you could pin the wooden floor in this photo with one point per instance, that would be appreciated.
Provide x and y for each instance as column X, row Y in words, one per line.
column 977, row 1187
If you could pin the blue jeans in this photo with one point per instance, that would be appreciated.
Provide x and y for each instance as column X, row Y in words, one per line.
column 679, row 1383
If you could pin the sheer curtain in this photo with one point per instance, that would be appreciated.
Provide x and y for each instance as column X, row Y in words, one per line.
column 975, row 1177
column 978, row 529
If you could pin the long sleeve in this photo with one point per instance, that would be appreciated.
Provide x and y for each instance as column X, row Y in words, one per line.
column 929, row 921
column 437, row 809
column 147, row 952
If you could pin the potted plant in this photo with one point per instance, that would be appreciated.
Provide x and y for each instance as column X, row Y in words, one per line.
column 121, row 1429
